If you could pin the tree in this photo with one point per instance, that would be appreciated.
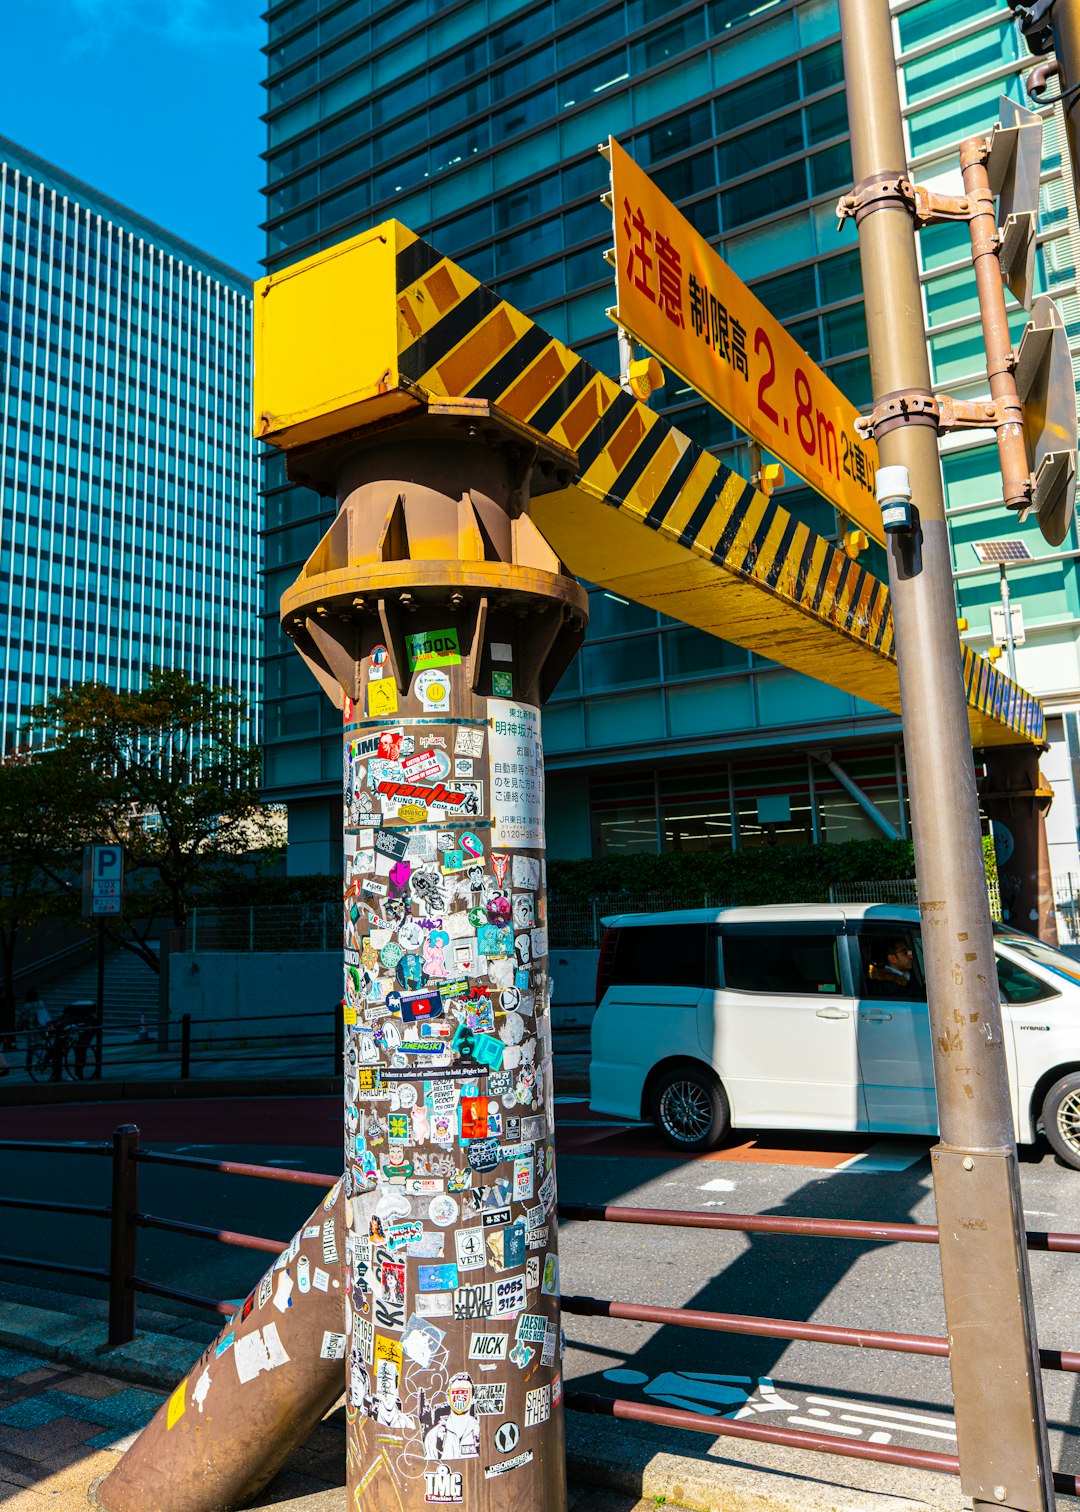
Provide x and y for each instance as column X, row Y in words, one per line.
column 167, row 772
column 40, row 835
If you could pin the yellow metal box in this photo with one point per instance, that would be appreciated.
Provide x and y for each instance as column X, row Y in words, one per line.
column 326, row 344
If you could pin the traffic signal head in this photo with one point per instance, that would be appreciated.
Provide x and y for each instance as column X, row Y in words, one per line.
column 1014, row 166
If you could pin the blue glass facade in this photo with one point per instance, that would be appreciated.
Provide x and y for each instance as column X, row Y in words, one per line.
column 130, row 511
column 477, row 124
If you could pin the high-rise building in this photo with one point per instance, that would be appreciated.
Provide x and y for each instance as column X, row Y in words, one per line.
column 130, row 508
column 477, row 123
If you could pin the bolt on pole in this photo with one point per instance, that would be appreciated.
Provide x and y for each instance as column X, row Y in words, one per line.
column 1001, row 1425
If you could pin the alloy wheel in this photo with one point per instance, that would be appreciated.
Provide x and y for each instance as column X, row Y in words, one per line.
column 686, row 1111
column 1068, row 1120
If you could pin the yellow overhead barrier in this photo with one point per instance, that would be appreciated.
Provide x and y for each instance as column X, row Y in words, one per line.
column 383, row 324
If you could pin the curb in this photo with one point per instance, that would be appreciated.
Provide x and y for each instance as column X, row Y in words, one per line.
column 679, row 1470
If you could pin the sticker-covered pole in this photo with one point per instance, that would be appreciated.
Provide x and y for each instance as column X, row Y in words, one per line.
column 443, row 619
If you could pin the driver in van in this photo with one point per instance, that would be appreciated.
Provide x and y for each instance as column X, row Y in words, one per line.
column 891, row 973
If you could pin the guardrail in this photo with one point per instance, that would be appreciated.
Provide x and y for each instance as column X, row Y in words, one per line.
column 124, row 1283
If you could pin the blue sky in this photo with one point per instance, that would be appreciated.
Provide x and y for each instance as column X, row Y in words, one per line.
column 156, row 104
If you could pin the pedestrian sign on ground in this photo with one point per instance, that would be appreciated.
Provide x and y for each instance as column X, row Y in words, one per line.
column 683, row 302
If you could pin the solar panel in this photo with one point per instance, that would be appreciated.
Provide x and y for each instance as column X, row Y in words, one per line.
column 1002, row 551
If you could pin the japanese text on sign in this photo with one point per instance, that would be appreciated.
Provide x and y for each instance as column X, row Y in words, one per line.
column 683, row 302
column 517, row 774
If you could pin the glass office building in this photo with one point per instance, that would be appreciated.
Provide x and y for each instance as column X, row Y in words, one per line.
column 476, row 122
column 130, row 508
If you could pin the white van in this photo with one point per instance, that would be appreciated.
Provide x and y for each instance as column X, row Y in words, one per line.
column 812, row 1016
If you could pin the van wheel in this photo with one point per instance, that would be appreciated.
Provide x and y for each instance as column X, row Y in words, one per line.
column 689, row 1109
column 1061, row 1119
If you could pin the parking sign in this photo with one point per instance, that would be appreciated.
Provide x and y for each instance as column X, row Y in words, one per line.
column 103, row 887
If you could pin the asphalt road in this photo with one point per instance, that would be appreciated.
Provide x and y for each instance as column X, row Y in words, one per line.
column 858, row 1393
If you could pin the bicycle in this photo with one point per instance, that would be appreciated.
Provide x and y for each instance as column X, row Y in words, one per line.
column 77, row 1052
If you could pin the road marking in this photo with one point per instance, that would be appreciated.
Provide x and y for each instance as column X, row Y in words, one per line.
column 886, row 1155
column 893, row 1414
column 719, row 1185
column 851, row 1417
column 809, row 1422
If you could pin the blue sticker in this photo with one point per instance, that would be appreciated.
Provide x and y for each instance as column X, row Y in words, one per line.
column 436, row 1278
column 494, row 940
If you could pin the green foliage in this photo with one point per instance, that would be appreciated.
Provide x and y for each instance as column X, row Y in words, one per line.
column 165, row 771
column 772, row 874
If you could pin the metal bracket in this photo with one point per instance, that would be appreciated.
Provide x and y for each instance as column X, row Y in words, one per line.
column 884, row 189
column 917, row 407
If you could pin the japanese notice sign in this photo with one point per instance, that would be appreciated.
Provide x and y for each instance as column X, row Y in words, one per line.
column 683, row 302
column 517, row 774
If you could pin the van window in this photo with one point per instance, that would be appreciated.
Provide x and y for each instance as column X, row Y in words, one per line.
column 891, row 963
column 661, row 955
column 803, row 964
column 1019, row 986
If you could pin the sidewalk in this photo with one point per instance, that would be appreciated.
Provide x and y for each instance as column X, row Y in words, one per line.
column 69, row 1406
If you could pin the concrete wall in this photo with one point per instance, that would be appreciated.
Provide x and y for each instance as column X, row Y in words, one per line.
column 297, row 990
column 290, row 991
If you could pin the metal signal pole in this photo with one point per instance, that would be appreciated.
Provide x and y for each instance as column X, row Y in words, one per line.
column 1001, row 1427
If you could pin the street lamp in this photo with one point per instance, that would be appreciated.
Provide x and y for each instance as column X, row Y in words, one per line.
column 1002, row 553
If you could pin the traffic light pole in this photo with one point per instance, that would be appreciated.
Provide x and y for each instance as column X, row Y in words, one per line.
column 1001, row 1427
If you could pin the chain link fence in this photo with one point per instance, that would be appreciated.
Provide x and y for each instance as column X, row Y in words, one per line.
column 898, row 890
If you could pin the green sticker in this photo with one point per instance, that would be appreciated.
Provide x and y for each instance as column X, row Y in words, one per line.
column 433, row 648
column 502, row 685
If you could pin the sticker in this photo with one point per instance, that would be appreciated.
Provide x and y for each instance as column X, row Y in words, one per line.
column 435, row 1304
column 421, row 1341
column 431, row 1278
column 303, row 1274
column 524, row 1458
column 433, row 648
column 382, row 697
column 469, row 742
column 223, row 1344
column 474, row 1301
column 443, row 1210
column 388, row 1351
column 283, row 1293
column 469, row 1243
column 320, row 1280
column 550, row 1284
column 177, row 1405
column 502, row 651
column 266, row 1288
column 258, row 1352
column 495, row 1217
column 463, row 766
column 521, row 1354
column 483, row 1048
column 507, row 1436
column 532, row 1270
column 329, row 1243
column 378, row 657
column 459, row 1393
column 442, row 1485
column 388, row 1290
column 502, row 684
column 387, row 843
column 433, row 690
column 202, row 1390
column 333, row 1346
column 532, row 1328
column 483, row 1154
column 523, row 1179
column 508, row 1296
column 517, row 776
column 488, row 1346
column 537, row 1406
column 489, row 1398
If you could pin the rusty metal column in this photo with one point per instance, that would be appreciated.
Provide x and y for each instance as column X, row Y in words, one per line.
column 1015, row 797
column 445, row 620
column 254, row 1394
column 1001, row 1429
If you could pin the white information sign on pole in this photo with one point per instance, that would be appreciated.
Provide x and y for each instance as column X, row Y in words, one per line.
column 517, row 775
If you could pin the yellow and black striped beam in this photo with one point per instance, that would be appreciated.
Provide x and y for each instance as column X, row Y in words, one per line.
column 649, row 515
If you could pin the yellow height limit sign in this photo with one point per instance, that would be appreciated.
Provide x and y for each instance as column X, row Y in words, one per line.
column 681, row 301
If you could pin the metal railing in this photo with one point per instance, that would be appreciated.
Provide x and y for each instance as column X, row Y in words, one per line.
column 78, row 1052
column 125, row 1283
column 281, row 927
